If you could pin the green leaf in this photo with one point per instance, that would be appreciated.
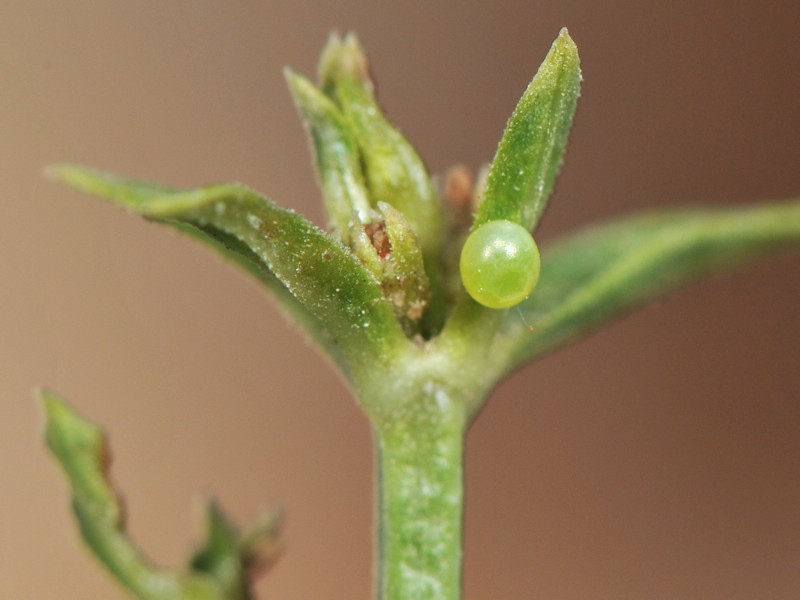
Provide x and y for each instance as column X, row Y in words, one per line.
column 394, row 172
column 340, row 303
column 230, row 558
column 80, row 448
column 604, row 272
column 219, row 555
column 362, row 245
column 242, row 256
column 528, row 157
column 129, row 193
column 405, row 282
column 338, row 163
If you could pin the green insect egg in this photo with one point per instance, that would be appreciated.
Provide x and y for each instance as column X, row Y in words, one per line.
column 499, row 264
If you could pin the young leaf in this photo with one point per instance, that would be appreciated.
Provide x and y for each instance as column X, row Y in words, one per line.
column 80, row 448
column 530, row 152
column 338, row 163
column 405, row 281
column 394, row 172
column 595, row 276
column 319, row 273
column 363, row 247
column 232, row 559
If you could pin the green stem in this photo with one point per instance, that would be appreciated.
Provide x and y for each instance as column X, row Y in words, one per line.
column 421, row 499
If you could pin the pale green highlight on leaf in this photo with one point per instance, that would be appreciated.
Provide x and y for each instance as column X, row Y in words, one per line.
column 394, row 172
column 595, row 276
column 338, row 163
column 528, row 157
column 124, row 191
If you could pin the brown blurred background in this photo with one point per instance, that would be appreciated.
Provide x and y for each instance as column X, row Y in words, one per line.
column 659, row 459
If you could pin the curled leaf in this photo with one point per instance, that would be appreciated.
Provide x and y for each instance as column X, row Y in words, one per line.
column 80, row 448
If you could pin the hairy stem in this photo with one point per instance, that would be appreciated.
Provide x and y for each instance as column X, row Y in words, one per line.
column 421, row 500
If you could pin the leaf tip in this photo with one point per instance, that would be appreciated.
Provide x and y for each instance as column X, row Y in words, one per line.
column 565, row 48
column 63, row 173
column 295, row 83
column 65, row 430
column 343, row 59
column 47, row 400
column 304, row 93
column 55, row 408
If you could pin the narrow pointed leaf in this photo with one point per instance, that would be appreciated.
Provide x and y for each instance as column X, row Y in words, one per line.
column 338, row 164
column 323, row 275
column 219, row 556
column 131, row 193
column 405, row 282
column 126, row 192
column 327, row 281
column 528, row 157
column 231, row 558
column 80, row 448
column 600, row 274
column 394, row 172
column 243, row 257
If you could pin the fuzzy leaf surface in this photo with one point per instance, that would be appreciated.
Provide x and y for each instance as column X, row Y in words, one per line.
column 393, row 171
column 530, row 152
column 318, row 280
column 337, row 158
column 595, row 276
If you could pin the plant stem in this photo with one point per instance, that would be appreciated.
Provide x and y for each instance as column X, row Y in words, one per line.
column 421, row 499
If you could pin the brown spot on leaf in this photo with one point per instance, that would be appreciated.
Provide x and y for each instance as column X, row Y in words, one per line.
column 376, row 232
